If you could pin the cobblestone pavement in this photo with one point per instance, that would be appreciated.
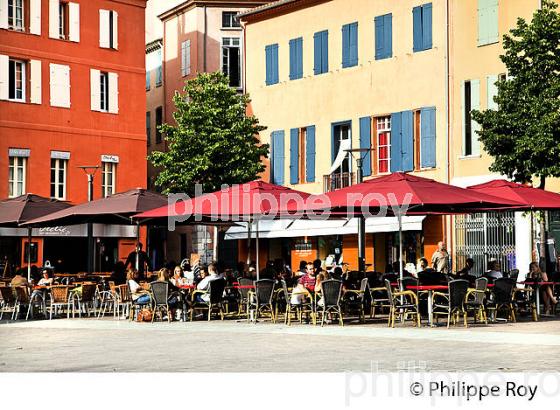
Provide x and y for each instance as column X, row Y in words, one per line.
column 107, row 345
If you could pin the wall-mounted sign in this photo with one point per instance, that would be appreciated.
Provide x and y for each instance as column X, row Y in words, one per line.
column 55, row 231
column 60, row 155
column 110, row 158
column 19, row 152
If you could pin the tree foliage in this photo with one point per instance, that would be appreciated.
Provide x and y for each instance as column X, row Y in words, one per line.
column 214, row 140
column 523, row 134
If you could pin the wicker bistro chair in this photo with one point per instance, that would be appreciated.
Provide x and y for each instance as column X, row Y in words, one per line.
column 358, row 300
column 243, row 298
column 216, row 293
column 296, row 309
column 331, row 291
column 8, row 303
column 84, row 301
column 129, row 305
column 475, row 300
column 452, row 304
column 403, row 303
column 502, row 298
column 59, row 298
column 22, row 299
column 525, row 299
column 260, row 301
column 160, row 295
column 379, row 300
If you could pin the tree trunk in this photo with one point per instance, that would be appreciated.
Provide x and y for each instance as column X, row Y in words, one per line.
column 542, row 226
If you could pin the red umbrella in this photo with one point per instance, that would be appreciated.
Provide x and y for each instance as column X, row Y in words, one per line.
column 400, row 193
column 532, row 197
column 244, row 202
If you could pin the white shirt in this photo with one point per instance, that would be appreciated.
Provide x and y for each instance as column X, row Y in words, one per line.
column 204, row 284
column 134, row 286
column 190, row 277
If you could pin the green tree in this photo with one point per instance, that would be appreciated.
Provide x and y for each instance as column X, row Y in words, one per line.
column 214, row 141
column 523, row 134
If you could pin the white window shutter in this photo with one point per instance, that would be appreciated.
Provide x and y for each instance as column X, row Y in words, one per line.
column 53, row 18
column 94, row 90
column 36, row 81
column 491, row 92
column 188, row 58
column 74, row 22
column 113, row 93
column 60, row 85
column 4, row 77
column 104, row 28
column 34, row 16
column 115, row 30
column 183, row 58
column 3, row 13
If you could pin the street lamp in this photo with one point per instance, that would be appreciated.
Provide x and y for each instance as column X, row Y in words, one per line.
column 359, row 154
column 90, row 171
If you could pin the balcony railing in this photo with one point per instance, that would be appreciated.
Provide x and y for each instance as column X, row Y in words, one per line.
column 337, row 181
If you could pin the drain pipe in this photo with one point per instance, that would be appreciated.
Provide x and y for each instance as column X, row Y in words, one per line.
column 205, row 36
column 449, row 134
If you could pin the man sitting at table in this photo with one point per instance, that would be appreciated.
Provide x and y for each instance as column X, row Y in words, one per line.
column 19, row 280
column 495, row 270
column 305, row 282
column 204, row 284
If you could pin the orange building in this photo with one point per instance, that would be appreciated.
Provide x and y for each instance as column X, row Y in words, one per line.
column 71, row 95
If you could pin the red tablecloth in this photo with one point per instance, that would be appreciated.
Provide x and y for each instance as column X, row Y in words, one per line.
column 427, row 287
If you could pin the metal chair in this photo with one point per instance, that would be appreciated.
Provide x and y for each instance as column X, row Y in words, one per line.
column 59, row 298
column 331, row 291
column 357, row 299
column 261, row 299
column 243, row 299
column 22, row 299
column 502, row 298
column 8, row 302
column 403, row 304
column 37, row 300
column 525, row 299
column 215, row 292
column 452, row 304
column 475, row 300
column 160, row 295
column 84, row 300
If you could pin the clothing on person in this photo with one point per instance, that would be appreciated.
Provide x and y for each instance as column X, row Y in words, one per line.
column 440, row 261
column 19, row 280
column 45, row 282
column 143, row 260
column 204, row 284
column 494, row 274
column 136, row 292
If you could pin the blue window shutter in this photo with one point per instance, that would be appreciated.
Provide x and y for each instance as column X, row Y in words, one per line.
column 275, row 76
column 300, row 57
column 365, row 142
column 396, row 146
column 278, row 157
column 388, row 35
column 273, row 154
column 427, row 26
column 353, row 44
column 379, row 38
column 268, row 52
column 293, row 58
column 345, row 46
column 317, row 53
column 407, row 141
column 417, row 28
column 310, row 154
column 428, row 137
column 325, row 52
column 294, row 156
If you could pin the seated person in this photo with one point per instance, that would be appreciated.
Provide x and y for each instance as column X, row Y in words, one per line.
column 140, row 294
column 337, row 273
column 204, row 284
column 302, row 270
column 536, row 274
column 178, row 279
column 495, row 271
column 119, row 274
column 320, row 278
column 469, row 264
column 19, row 280
column 174, row 296
column 304, row 283
column 45, row 280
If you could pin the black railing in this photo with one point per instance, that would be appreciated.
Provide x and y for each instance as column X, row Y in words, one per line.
column 339, row 180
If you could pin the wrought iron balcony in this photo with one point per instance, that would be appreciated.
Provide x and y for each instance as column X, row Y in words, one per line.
column 338, row 180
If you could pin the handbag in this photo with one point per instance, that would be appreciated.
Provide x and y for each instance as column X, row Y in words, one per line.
column 144, row 315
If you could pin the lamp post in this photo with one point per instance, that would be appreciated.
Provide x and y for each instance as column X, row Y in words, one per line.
column 359, row 157
column 90, row 171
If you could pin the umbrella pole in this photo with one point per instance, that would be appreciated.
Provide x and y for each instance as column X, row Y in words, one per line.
column 257, row 248
column 399, row 217
column 29, row 235
column 249, row 243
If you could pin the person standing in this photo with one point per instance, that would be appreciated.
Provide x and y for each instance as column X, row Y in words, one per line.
column 440, row 259
column 138, row 260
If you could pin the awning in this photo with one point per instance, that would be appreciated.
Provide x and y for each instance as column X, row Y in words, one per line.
column 303, row 227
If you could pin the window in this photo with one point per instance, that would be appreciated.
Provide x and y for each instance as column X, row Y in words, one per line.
column 16, row 15
column 383, row 144
column 63, row 20
column 277, row 158
column 471, row 101
column 296, row 58
column 341, row 134
column 17, row 75
column 350, row 45
column 148, row 78
column 229, row 19
column 231, row 60
column 487, row 22
column 159, row 120
column 384, row 37
column 271, row 52
column 17, row 176
column 148, row 128
column 159, row 69
column 58, row 178
column 186, row 58
column 321, row 54
column 108, row 177
column 422, row 27
column 298, row 149
column 108, row 29
column 104, row 91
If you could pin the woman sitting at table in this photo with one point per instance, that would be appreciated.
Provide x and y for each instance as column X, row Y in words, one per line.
column 306, row 282
column 321, row 277
column 178, row 279
column 174, row 295
column 536, row 274
column 140, row 293
column 45, row 280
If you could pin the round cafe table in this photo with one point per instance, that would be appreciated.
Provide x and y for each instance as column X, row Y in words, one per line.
column 430, row 289
column 537, row 290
